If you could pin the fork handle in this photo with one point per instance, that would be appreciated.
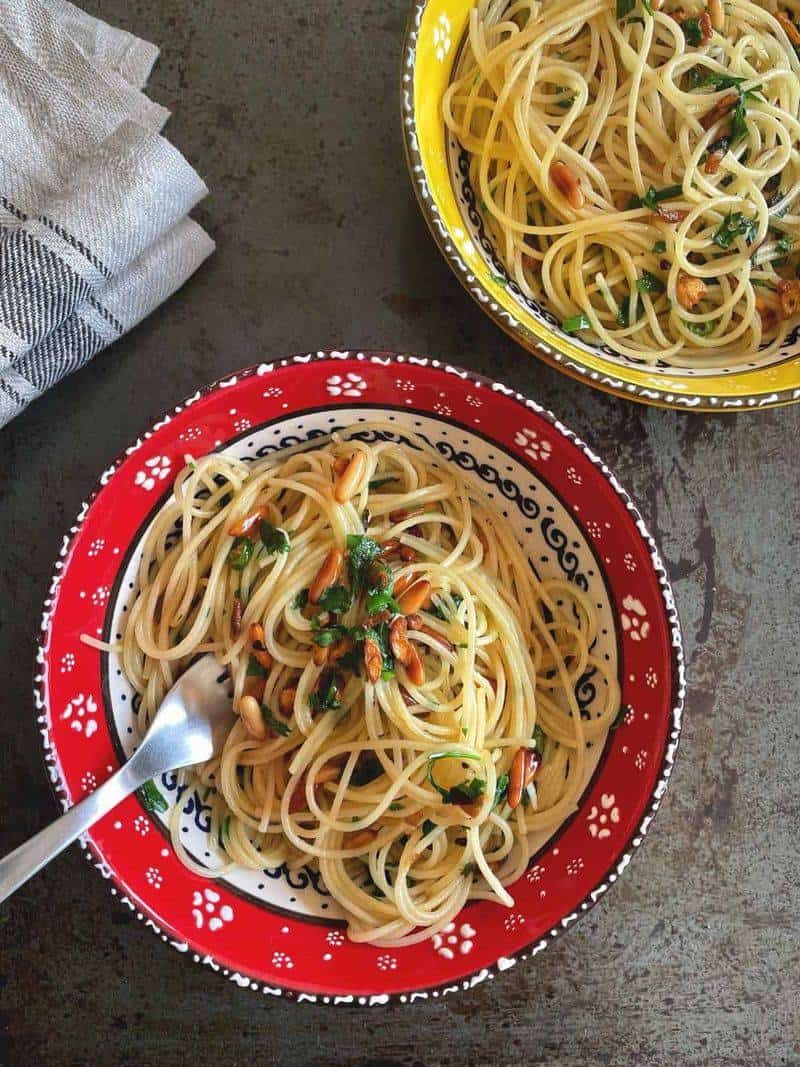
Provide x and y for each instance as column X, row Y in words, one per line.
column 21, row 864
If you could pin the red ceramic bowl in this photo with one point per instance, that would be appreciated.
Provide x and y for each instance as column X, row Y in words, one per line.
column 279, row 932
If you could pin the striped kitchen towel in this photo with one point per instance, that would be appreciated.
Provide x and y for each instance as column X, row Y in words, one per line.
column 94, row 232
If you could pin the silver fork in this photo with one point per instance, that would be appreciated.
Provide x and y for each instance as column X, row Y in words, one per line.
column 190, row 727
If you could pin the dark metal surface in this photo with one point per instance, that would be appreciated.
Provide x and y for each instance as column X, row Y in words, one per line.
column 290, row 112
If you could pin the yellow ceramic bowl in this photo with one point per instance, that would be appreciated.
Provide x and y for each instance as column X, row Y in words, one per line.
column 435, row 31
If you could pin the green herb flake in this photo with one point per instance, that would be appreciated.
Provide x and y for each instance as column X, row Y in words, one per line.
column 467, row 790
column 692, row 31
column 326, row 698
column 224, row 830
column 336, row 598
column 300, row 600
column 466, row 870
column 717, row 81
column 277, row 725
column 653, row 197
column 382, row 601
column 702, row 329
column 539, row 738
column 624, row 8
column 428, row 827
column 575, row 323
column 325, row 637
column 734, row 225
column 394, row 806
column 501, row 790
column 254, row 668
column 274, row 539
column 619, row 718
column 659, row 247
column 361, row 551
column 649, row 283
column 152, row 798
column 378, row 483
column 241, row 553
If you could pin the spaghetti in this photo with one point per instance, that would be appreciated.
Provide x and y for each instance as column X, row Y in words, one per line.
column 637, row 169
column 405, row 684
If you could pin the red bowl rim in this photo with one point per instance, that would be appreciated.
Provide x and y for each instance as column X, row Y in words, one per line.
column 678, row 675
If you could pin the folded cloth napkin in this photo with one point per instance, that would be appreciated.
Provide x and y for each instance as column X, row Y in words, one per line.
column 94, row 231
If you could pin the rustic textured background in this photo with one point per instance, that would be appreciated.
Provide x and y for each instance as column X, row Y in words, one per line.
column 290, row 112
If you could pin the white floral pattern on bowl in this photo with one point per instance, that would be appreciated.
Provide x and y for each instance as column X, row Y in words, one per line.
column 599, row 818
column 206, row 910
column 452, row 940
column 387, row 963
column 538, row 448
column 441, row 38
column 67, row 663
column 634, row 619
column 80, row 712
column 96, row 547
column 575, row 866
column 282, row 960
column 154, row 877
column 155, row 470
column 350, row 384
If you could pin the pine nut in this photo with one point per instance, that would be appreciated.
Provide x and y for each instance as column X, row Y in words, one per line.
column 402, row 583
column 415, row 597
column 245, row 525
column 373, row 660
column 345, row 485
column 567, row 184
column 236, row 616
column 407, row 554
column 327, row 574
column 340, row 465
column 398, row 640
column 524, row 766
column 250, row 712
column 258, row 648
column 414, row 668
column 319, row 655
column 716, row 14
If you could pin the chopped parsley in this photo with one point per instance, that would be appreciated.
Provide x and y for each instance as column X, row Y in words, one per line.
column 280, row 727
column 273, row 538
column 428, row 826
column 224, row 830
column 649, row 283
column 326, row 697
column 720, row 81
column 627, row 312
column 241, row 553
column 539, row 739
column 336, row 598
column 466, row 791
column 624, row 8
column 382, row 601
column 378, row 483
column 735, row 224
column 466, row 870
column 254, row 668
column 702, row 329
column 362, row 550
column 659, row 247
column 501, row 790
column 653, row 197
column 300, row 600
column 575, row 323
column 152, row 798
column 739, row 116
column 438, row 610
column 692, row 31
column 329, row 634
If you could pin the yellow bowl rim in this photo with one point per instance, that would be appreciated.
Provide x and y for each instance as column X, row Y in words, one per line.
column 568, row 363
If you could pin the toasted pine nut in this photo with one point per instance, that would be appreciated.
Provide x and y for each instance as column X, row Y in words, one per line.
column 789, row 297
column 345, row 485
column 245, row 525
column 327, row 574
column 690, row 290
column 340, row 465
column 388, row 548
column 716, row 13
column 402, row 583
column 789, row 27
column 407, row 554
column 259, row 649
column 415, row 597
column 359, row 838
column 398, row 639
column 567, row 184
column 524, row 766
column 414, row 668
column 286, row 700
column 720, row 109
column 236, row 615
column 415, row 818
column 668, row 214
column 373, row 660
column 250, row 712
column 319, row 655
column 414, row 621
